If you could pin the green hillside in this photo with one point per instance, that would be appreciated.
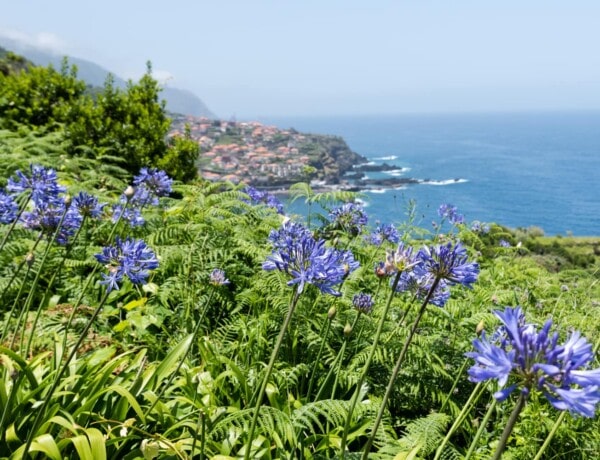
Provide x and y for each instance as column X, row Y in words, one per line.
column 143, row 317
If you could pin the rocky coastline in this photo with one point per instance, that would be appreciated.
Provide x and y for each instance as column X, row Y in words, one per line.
column 271, row 158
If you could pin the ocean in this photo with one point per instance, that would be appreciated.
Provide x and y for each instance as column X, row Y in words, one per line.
column 516, row 169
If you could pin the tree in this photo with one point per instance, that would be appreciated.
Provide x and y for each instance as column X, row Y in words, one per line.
column 180, row 160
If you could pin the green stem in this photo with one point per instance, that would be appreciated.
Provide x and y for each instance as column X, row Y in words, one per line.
column 363, row 374
column 89, row 280
column 265, row 381
column 341, row 360
column 318, row 360
column 481, row 429
column 475, row 395
column 55, row 273
column 512, row 420
column 167, row 385
column 42, row 410
column 553, row 431
column 12, row 310
column 397, row 367
column 455, row 383
column 37, row 278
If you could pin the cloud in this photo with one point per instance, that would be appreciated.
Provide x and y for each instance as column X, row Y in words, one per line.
column 46, row 41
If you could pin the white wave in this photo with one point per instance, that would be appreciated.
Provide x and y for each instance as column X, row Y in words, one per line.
column 376, row 190
column 397, row 172
column 388, row 158
column 363, row 203
column 370, row 163
column 443, row 182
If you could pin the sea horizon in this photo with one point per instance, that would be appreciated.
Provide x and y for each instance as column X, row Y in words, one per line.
column 519, row 169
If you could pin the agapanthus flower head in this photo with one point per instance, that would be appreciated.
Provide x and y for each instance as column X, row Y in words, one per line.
column 449, row 263
column 418, row 282
column 87, row 205
column 479, row 227
column 255, row 195
column 260, row 197
column 402, row 259
column 385, row 232
column 217, row 277
column 41, row 182
column 129, row 258
column 363, row 302
column 504, row 244
column 157, row 182
column 131, row 215
column 306, row 260
column 8, row 208
column 349, row 217
column 533, row 360
column 450, row 212
column 46, row 218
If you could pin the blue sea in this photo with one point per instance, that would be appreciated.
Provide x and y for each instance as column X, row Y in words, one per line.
column 517, row 169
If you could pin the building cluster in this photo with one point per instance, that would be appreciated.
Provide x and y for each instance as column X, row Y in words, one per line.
column 245, row 151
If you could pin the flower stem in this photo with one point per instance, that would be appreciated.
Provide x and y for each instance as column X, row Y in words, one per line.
column 481, row 429
column 553, row 431
column 318, row 359
column 41, row 411
column 363, row 374
column 454, row 384
column 265, row 381
column 397, row 367
column 167, row 385
column 475, row 395
column 512, row 420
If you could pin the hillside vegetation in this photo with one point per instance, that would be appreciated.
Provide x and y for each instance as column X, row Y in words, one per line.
column 146, row 317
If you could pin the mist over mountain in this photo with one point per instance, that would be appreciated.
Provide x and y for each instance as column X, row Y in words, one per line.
column 178, row 100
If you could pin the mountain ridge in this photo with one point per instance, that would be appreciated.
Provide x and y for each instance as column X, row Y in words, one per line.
column 178, row 100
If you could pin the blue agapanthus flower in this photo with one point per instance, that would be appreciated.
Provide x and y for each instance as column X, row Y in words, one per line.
column 41, row 182
column 504, row 244
column 449, row 263
column 131, row 215
column 418, row 282
column 218, row 278
column 384, row 232
column 87, row 205
column 450, row 212
column 533, row 360
column 363, row 302
column 349, row 217
column 46, row 218
column 129, row 258
column 153, row 182
column 306, row 260
column 8, row 208
column 260, row 197
column 479, row 227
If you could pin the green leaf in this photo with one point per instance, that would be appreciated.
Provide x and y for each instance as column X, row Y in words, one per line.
column 136, row 303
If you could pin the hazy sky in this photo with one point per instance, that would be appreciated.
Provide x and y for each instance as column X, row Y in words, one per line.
column 251, row 58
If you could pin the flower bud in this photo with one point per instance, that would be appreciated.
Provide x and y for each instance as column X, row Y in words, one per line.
column 480, row 327
column 67, row 200
column 331, row 313
column 347, row 330
column 129, row 192
column 30, row 259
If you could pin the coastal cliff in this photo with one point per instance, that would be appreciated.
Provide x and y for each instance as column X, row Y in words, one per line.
column 266, row 156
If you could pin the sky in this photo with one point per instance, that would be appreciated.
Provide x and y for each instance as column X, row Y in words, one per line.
column 249, row 59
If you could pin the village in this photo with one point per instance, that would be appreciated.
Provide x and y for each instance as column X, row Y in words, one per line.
column 265, row 156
